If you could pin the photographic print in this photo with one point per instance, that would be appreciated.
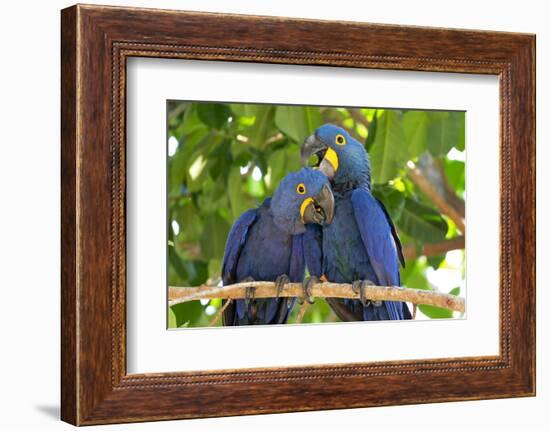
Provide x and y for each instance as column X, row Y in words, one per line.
column 295, row 200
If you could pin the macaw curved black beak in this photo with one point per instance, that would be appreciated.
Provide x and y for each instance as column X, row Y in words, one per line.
column 327, row 159
column 318, row 209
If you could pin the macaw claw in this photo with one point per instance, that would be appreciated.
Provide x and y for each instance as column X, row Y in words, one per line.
column 249, row 297
column 359, row 286
column 249, row 290
column 307, row 284
column 280, row 282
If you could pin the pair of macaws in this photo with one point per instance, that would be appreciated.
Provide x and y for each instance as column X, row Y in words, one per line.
column 325, row 219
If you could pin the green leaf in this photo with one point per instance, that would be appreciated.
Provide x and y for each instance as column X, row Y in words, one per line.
column 197, row 173
column 190, row 222
column 243, row 109
column 212, row 198
column 221, row 158
column 213, row 237
column 393, row 200
column 191, row 272
column 413, row 275
column 277, row 165
column 445, row 132
column 421, row 222
column 214, row 269
column 372, row 132
column 415, row 130
column 177, row 263
column 172, row 320
column 198, row 271
column 257, row 133
column 187, row 313
column 389, row 150
column 292, row 162
column 455, row 291
column 199, row 164
column 213, row 114
column 461, row 144
column 435, row 312
column 255, row 188
column 435, row 261
column 280, row 162
column 178, row 165
column 236, row 194
column 456, row 175
column 297, row 122
column 241, row 154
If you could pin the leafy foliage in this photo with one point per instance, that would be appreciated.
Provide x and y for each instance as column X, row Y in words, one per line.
column 226, row 158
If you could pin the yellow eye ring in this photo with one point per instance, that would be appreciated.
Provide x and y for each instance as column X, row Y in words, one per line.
column 301, row 189
column 340, row 140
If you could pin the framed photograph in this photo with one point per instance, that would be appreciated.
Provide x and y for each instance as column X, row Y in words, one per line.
column 332, row 215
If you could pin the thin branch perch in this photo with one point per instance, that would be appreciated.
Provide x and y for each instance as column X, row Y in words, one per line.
column 268, row 289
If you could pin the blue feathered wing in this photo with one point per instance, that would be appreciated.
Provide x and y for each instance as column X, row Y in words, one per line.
column 234, row 244
column 383, row 249
column 269, row 310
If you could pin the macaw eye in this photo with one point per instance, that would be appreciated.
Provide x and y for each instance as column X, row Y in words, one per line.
column 301, row 188
column 340, row 140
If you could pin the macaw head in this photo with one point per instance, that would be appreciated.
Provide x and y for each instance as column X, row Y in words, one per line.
column 303, row 197
column 341, row 158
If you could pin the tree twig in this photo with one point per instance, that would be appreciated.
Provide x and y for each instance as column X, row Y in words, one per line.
column 302, row 312
column 220, row 312
column 268, row 289
column 275, row 138
column 434, row 248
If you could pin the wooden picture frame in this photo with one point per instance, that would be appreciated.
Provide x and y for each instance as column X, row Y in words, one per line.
column 95, row 43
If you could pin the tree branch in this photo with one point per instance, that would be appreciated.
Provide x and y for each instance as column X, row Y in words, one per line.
column 177, row 110
column 429, row 178
column 268, row 289
column 434, row 248
column 358, row 117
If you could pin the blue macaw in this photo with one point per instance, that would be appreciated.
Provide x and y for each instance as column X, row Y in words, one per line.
column 266, row 244
column 361, row 245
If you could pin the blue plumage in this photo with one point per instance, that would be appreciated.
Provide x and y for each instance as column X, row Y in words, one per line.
column 361, row 242
column 267, row 242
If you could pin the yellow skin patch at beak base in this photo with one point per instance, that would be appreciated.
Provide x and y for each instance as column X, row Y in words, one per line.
column 305, row 204
column 332, row 158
